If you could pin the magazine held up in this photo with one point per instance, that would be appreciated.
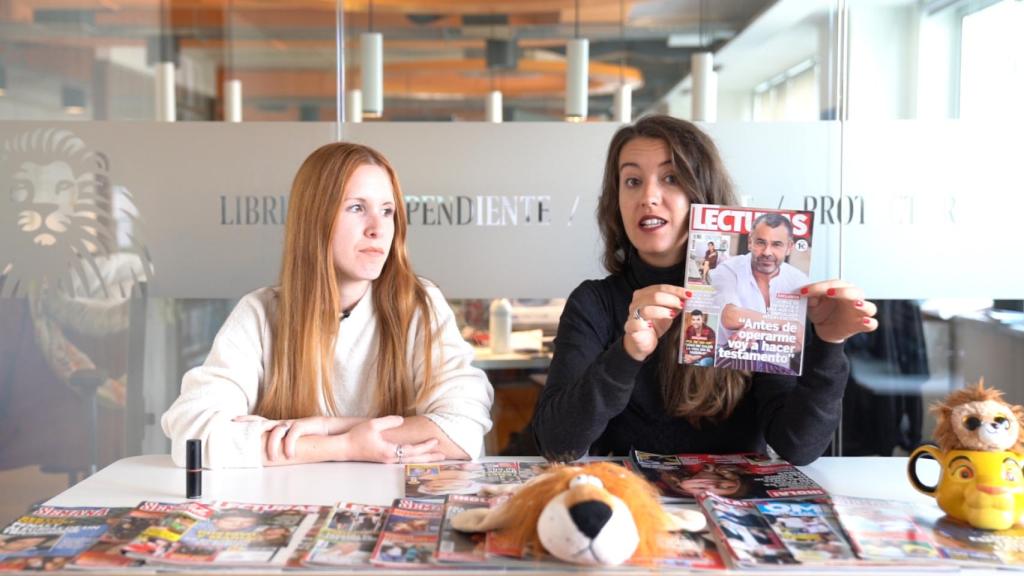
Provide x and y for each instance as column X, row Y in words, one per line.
column 745, row 268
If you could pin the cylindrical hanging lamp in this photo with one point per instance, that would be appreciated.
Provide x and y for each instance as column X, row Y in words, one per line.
column 165, row 99
column 576, row 79
column 371, row 45
column 705, row 87
column 494, row 106
column 354, row 105
column 622, row 104
column 233, row 100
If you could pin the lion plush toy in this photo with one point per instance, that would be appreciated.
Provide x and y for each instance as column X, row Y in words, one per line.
column 595, row 514
column 977, row 418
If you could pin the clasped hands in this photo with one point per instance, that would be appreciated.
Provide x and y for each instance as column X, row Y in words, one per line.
column 836, row 308
column 342, row 439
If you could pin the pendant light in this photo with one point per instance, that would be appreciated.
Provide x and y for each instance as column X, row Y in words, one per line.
column 704, row 101
column 232, row 89
column 371, row 46
column 577, row 54
column 622, row 103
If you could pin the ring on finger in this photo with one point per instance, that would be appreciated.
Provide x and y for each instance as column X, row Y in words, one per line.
column 399, row 452
column 636, row 314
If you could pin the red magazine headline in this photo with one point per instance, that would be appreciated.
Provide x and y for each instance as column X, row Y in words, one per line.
column 52, row 512
column 738, row 220
column 413, row 505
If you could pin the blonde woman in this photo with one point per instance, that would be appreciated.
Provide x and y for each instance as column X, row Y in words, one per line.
column 351, row 357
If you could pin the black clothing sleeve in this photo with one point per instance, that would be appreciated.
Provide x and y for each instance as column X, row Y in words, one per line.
column 599, row 400
column 589, row 381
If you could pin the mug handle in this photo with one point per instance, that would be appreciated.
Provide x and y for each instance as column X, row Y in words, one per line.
column 926, row 451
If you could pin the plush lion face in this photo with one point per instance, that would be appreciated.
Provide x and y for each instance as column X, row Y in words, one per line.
column 599, row 513
column 977, row 418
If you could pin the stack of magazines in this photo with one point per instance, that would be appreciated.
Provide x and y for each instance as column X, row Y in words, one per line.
column 762, row 514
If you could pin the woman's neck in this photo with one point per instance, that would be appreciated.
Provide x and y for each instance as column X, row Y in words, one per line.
column 351, row 293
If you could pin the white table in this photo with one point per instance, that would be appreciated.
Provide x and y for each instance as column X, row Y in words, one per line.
column 130, row 480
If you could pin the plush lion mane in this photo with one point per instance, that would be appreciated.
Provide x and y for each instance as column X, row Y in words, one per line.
column 639, row 496
column 945, row 435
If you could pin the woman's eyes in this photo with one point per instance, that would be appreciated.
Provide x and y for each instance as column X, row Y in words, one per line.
column 669, row 179
column 388, row 211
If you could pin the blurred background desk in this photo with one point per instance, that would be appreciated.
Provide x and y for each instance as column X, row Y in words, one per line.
column 485, row 359
column 517, row 378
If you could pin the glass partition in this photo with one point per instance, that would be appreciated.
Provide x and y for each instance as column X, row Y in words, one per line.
column 891, row 120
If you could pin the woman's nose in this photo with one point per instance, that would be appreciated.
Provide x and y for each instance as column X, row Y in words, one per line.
column 652, row 194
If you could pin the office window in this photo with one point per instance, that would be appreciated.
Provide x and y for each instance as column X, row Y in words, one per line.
column 790, row 96
column 992, row 62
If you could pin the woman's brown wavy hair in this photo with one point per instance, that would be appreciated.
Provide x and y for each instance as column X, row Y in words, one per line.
column 305, row 325
column 696, row 394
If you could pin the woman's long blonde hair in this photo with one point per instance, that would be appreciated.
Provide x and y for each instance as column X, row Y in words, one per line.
column 710, row 393
column 308, row 313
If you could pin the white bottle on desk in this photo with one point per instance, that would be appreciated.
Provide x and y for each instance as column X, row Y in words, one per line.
column 501, row 325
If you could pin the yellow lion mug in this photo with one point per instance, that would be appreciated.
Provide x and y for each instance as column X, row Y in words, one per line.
column 984, row 489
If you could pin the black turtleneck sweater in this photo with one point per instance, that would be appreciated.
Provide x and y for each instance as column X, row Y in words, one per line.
column 599, row 400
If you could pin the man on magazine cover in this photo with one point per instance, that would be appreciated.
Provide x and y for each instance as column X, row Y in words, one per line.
column 746, row 287
column 699, row 341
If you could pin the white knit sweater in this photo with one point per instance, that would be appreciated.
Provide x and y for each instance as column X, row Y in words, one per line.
column 228, row 383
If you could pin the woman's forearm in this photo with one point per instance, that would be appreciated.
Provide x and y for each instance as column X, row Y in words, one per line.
column 417, row 429
column 313, row 448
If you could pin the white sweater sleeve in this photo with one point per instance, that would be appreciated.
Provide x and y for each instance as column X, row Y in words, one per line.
column 225, row 386
column 460, row 404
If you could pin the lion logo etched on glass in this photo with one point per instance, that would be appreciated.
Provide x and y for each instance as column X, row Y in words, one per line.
column 65, row 224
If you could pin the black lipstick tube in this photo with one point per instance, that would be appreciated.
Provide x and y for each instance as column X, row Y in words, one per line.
column 193, row 469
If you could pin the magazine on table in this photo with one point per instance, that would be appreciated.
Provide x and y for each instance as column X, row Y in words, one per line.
column 737, row 476
column 348, row 537
column 225, row 534
column 439, row 480
column 885, row 531
column 409, row 535
column 687, row 550
column 461, row 547
column 298, row 557
column 744, row 269
column 49, row 537
column 106, row 552
column 972, row 547
column 782, row 534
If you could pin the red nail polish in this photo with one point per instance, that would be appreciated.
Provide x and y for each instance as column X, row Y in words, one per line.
column 805, row 290
column 831, row 292
column 682, row 302
column 858, row 303
column 673, row 313
column 689, row 294
column 866, row 320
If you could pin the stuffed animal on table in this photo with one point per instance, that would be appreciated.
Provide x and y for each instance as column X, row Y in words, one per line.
column 595, row 514
column 977, row 418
